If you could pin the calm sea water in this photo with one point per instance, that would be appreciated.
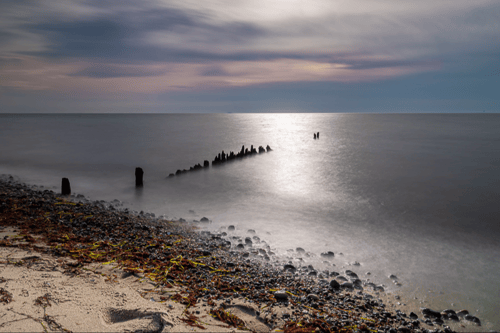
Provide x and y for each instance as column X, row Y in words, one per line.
column 414, row 195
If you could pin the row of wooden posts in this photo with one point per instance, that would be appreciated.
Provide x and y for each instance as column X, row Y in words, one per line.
column 223, row 157
column 220, row 158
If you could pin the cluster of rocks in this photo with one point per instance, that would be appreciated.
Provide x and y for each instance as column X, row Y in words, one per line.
column 218, row 266
column 348, row 281
column 222, row 158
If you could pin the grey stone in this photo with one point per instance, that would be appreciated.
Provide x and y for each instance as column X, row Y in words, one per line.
column 472, row 318
column 281, row 295
column 334, row 284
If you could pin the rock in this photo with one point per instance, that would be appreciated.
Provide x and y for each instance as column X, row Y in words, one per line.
column 413, row 315
column 281, row 295
column 251, row 231
column 403, row 329
column 240, row 246
column 312, row 273
column 438, row 321
column 430, row 313
column 300, row 250
column 204, row 219
column 357, row 282
column 347, row 285
column 231, row 228
column 289, row 267
column 351, row 274
column 393, row 277
column 472, row 318
column 453, row 316
column 248, row 241
column 313, row 297
column 328, row 255
column 341, row 278
column 334, row 284
column 447, row 312
column 462, row 313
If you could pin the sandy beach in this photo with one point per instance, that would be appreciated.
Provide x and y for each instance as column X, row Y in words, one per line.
column 70, row 265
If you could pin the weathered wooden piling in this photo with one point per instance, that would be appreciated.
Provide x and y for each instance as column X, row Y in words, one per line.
column 65, row 187
column 317, row 135
column 138, row 177
column 314, row 136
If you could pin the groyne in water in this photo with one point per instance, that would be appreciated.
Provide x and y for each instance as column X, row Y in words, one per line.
column 223, row 157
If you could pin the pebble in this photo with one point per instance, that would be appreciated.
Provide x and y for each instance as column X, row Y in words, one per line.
column 334, row 284
column 281, row 295
column 472, row 318
column 328, row 255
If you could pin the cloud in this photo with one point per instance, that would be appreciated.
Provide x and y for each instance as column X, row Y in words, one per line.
column 120, row 70
column 156, row 45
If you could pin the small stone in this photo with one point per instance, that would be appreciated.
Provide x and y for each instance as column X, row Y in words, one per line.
column 334, row 284
column 313, row 297
column 462, row 313
column 347, row 285
column 204, row 219
column 431, row 313
column 300, row 250
column 281, row 295
column 328, row 255
column 472, row 318
column 231, row 228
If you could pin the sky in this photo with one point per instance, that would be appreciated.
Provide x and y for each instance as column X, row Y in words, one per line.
column 178, row 56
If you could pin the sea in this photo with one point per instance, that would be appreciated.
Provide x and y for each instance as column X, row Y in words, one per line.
column 413, row 195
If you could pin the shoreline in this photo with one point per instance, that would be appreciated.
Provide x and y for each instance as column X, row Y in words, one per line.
column 195, row 279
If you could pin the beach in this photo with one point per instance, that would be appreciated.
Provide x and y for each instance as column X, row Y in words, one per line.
column 67, row 263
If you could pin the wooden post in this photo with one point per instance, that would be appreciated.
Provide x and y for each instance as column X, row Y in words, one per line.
column 65, row 187
column 138, row 177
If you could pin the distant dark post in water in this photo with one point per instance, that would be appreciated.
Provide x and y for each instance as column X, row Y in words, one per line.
column 65, row 188
column 317, row 135
column 138, row 177
column 314, row 136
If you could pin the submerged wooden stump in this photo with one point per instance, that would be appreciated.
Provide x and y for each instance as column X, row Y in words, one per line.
column 138, row 177
column 65, row 187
